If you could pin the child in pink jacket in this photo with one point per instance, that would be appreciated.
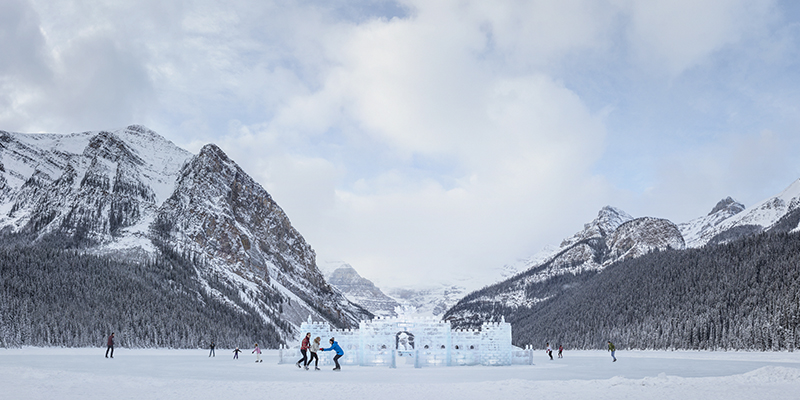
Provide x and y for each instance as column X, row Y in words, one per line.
column 258, row 354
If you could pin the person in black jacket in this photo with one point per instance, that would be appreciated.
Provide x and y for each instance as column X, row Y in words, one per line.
column 211, row 353
column 110, row 344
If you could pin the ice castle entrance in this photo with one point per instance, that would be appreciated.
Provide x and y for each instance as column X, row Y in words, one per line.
column 404, row 353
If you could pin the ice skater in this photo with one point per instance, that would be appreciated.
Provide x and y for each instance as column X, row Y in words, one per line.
column 560, row 350
column 236, row 353
column 612, row 349
column 313, row 349
column 211, row 353
column 110, row 344
column 303, row 349
column 258, row 353
column 549, row 351
column 339, row 353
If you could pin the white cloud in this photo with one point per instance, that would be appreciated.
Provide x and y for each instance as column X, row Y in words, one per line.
column 419, row 137
column 677, row 35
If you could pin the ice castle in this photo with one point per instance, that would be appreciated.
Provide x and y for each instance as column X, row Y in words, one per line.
column 421, row 342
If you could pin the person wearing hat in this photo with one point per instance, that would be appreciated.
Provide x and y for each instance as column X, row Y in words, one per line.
column 339, row 353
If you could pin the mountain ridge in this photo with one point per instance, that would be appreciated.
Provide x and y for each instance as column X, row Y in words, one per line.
column 131, row 193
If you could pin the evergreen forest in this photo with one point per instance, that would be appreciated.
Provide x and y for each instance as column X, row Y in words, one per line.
column 54, row 295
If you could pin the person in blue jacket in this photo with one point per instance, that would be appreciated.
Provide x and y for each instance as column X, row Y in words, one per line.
column 339, row 353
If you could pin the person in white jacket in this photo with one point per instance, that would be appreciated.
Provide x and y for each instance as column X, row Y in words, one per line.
column 258, row 354
column 313, row 349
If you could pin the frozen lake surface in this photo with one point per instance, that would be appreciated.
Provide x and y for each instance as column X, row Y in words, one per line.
column 59, row 373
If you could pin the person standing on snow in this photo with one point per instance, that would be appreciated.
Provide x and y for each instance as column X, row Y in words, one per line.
column 549, row 351
column 236, row 353
column 560, row 350
column 303, row 349
column 313, row 349
column 258, row 353
column 612, row 349
column 211, row 353
column 110, row 344
column 339, row 353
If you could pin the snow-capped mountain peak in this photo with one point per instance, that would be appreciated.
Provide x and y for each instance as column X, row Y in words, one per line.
column 727, row 206
column 730, row 219
column 134, row 193
column 608, row 219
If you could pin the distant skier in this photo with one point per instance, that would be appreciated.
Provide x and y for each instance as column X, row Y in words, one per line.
column 303, row 349
column 110, row 344
column 560, row 350
column 236, row 353
column 211, row 353
column 339, row 353
column 549, row 351
column 313, row 349
column 612, row 349
column 258, row 353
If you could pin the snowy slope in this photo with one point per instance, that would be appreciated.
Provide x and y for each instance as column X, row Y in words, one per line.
column 730, row 217
column 700, row 230
column 109, row 184
column 611, row 237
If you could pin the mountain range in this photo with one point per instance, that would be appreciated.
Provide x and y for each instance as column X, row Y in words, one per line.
column 579, row 272
column 614, row 236
column 202, row 252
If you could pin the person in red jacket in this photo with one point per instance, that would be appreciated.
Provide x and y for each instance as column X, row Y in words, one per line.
column 303, row 349
column 110, row 344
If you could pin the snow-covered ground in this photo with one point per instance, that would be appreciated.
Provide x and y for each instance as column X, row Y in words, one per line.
column 56, row 373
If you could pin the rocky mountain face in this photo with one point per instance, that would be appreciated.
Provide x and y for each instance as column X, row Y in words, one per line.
column 94, row 186
column 730, row 220
column 131, row 193
column 360, row 290
column 699, row 231
column 612, row 237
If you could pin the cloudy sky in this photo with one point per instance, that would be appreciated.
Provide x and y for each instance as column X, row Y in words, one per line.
column 425, row 138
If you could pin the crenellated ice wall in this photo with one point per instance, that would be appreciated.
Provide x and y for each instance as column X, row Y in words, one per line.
column 423, row 342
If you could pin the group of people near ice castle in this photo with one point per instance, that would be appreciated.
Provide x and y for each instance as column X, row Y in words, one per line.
column 312, row 347
column 305, row 347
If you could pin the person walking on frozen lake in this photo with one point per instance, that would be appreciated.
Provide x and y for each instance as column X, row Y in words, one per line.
column 258, row 353
column 560, row 350
column 236, row 353
column 612, row 349
column 313, row 349
column 211, row 353
column 303, row 349
column 339, row 353
column 549, row 351
column 110, row 344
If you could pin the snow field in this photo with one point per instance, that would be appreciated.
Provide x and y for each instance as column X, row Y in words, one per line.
column 59, row 373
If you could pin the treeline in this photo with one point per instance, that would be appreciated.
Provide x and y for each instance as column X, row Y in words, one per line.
column 740, row 295
column 51, row 296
